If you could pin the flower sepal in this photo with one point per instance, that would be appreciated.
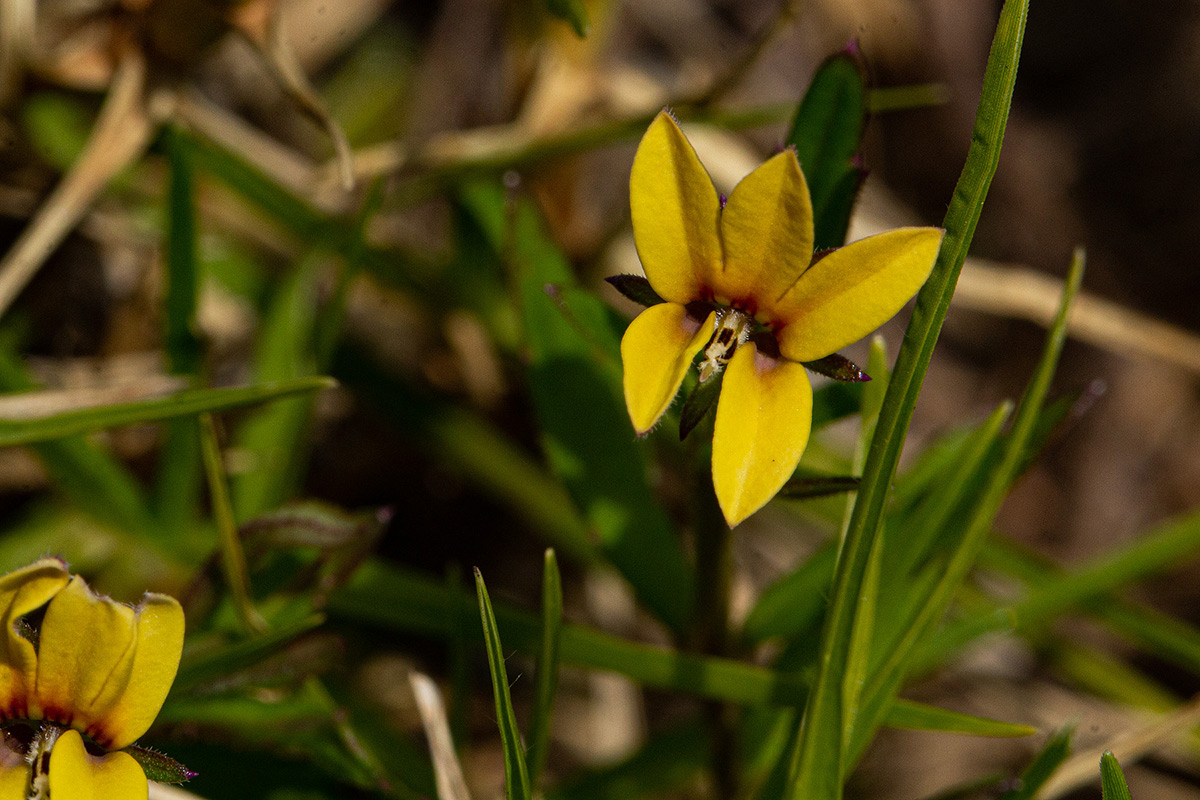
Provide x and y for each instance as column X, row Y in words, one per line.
column 159, row 767
column 838, row 368
column 700, row 402
column 636, row 288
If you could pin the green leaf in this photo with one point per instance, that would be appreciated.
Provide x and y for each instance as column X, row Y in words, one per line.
column 826, row 132
column 926, row 718
column 397, row 599
column 547, row 667
column 577, row 395
column 178, row 482
column 1049, row 759
column 181, row 404
column 804, row 486
column 516, row 774
column 1112, row 779
column 820, row 771
column 88, row 474
column 273, row 437
column 572, row 12
column 233, row 558
column 836, row 401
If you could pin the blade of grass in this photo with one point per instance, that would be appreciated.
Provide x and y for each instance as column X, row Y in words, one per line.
column 233, row 559
column 177, row 484
column 1112, row 779
column 273, row 435
column 547, row 667
column 516, row 773
column 396, row 599
column 181, row 404
column 1152, row 553
column 86, row 473
column 819, row 760
column 212, row 664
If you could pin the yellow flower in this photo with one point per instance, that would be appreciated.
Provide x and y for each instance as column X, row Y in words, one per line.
column 741, row 285
column 81, row 677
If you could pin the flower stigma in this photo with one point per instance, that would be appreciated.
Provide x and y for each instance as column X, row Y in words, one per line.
column 733, row 328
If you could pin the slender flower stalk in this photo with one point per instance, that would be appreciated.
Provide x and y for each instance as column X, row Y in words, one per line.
column 742, row 287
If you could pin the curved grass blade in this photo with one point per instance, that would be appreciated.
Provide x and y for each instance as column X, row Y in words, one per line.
column 516, row 773
column 927, row 718
column 1112, row 779
column 233, row 558
column 820, row 762
column 181, row 404
column 547, row 667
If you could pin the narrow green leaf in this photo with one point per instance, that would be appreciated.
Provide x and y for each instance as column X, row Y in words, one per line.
column 1112, row 779
column 178, row 481
column 547, row 668
column 805, row 486
column 1049, row 759
column 927, row 718
column 181, row 404
column 397, row 599
column 572, row 12
column 586, row 431
column 88, row 474
column 516, row 774
column 273, row 437
column 826, row 133
column 233, row 559
column 825, row 718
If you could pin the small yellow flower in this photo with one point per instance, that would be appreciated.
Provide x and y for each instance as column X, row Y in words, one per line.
column 741, row 285
column 81, row 677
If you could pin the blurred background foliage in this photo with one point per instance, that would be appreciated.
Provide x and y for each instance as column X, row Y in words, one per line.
column 322, row 538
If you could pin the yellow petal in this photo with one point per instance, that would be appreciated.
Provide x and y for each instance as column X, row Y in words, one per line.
column 76, row 774
column 21, row 592
column 854, row 290
column 156, row 658
column 675, row 210
column 656, row 351
column 14, row 775
column 764, row 416
column 85, row 657
column 767, row 231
